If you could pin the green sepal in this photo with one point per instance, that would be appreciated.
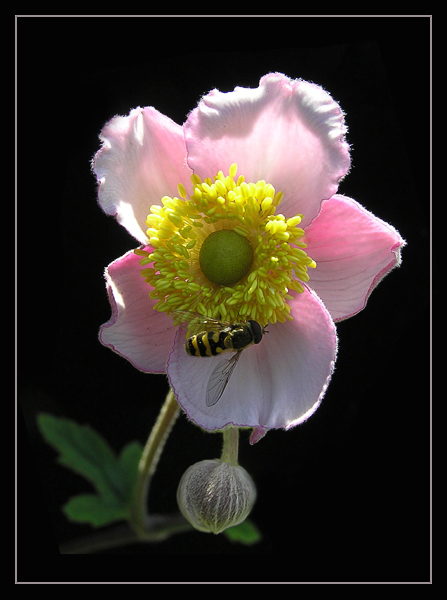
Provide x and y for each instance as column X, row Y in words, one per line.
column 87, row 453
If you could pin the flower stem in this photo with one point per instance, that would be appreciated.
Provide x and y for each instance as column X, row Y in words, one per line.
column 159, row 528
column 230, row 446
column 149, row 461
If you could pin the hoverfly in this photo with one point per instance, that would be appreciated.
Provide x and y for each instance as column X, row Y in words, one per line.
column 216, row 337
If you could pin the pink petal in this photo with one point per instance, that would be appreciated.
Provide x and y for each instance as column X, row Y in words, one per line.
column 278, row 383
column 353, row 250
column 135, row 331
column 142, row 159
column 257, row 434
column 288, row 132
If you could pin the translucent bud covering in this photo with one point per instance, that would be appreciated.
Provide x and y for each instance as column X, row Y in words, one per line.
column 214, row 495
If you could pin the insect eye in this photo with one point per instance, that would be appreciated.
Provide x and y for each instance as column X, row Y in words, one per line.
column 257, row 331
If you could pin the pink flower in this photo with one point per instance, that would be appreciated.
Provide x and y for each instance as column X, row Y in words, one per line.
column 313, row 257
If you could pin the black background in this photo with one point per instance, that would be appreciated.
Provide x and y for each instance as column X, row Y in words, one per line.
column 343, row 497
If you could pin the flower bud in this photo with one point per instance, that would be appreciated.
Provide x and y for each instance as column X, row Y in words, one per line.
column 214, row 495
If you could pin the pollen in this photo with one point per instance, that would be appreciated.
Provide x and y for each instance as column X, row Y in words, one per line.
column 244, row 272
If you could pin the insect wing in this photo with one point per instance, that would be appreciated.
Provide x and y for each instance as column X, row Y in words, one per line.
column 219, row 379
column 197, row 321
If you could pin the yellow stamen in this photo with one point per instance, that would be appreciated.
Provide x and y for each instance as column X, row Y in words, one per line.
column 178, row 229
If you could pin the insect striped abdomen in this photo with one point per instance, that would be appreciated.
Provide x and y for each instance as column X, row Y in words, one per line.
column 208, row 343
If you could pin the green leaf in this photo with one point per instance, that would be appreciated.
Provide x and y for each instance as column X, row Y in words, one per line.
column 90, row 508
column 86, row 452
column 128, row 460
column 245, row 533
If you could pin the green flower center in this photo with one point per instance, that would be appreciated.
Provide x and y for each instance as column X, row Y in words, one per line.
column 224, row 252
column 225, row 257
